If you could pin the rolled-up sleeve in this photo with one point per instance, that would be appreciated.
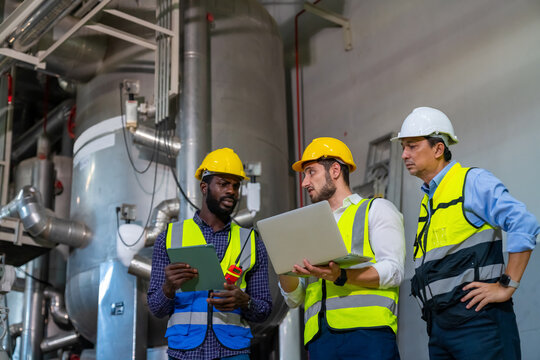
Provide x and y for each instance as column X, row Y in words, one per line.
column 487, row 200
column 387, row 242
column 296, row 297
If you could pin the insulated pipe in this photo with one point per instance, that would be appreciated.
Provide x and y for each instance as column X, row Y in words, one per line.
column 48, row 14
column 193, row 126
column 41, row 222
column 56, row 307
column 245, row 218
column 33, row 318
column 161, row 216
column 140, row 267
column 146, row 136
column 60, row 341
column 56, row 120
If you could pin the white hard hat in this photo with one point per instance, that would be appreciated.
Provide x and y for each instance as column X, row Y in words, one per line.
column 427, row 121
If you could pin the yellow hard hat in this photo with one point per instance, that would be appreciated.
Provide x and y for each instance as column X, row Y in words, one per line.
column 326, row 147
column 224, row 161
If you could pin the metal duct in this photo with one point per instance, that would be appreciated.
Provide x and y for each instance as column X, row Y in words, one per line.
column 41, row 223
column 146, row 136
column 194, row 128
column 55, row 122
column 161, row 216
column 33, row 318
column 58, row 342
column 56, row 307
column 141, row 267
column 39, row 22
column 245, row 218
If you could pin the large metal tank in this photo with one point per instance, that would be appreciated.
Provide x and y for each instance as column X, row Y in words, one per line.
column 248, row 94
column 248, row 115
column 248, row 107
column 103, row 180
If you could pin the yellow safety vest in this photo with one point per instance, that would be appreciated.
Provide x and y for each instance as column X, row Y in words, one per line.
column 350, row 306
column 449, row 250
column 188, row 325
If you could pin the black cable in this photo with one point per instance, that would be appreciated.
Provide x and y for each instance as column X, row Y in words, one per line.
column 243, row 247
column 155, row 151
column 170, row 157
column 125, row 138
column 35, row 278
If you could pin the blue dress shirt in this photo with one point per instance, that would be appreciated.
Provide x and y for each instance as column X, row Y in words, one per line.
column 487, row 200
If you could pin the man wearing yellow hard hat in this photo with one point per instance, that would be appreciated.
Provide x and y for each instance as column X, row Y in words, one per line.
column 349, row 313
column 205, row 325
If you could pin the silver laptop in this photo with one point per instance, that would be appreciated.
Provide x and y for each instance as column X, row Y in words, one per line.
column 308, row 233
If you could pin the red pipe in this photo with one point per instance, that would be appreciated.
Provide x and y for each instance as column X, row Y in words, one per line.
column 10, row 89
column 298, row 118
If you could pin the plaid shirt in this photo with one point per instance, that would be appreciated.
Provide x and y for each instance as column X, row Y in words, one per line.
column 257, row 288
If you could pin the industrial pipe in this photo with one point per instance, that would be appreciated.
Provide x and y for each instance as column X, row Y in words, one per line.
column 141, row 267
column 147, row 137
column 161, row 216
column 194, row 125
column 245, row 218
column 44, row 18
column 41, row 222
column 56, row 119
column 56, row 307
column 60, row 341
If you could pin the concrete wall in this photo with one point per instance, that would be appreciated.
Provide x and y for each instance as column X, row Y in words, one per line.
column 478, row 61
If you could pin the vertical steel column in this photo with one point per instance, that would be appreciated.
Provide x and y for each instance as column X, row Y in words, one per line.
column 194, row 126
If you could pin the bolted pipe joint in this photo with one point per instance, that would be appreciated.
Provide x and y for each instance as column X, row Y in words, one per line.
column 41, row 222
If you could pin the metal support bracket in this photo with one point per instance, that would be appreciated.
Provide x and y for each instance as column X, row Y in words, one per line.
column 22, row 57
column 334, row 18
column 122, row 35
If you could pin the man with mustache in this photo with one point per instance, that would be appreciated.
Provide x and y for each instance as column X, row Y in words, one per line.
column 349, row 313
column 460, row 278
column 205, row 325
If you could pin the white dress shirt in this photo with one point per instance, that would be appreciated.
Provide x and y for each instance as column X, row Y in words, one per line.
column 387, row 239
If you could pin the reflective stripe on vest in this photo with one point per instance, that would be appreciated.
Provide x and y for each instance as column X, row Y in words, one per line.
column 449, row 250
column 349, row 306
column 187, row 325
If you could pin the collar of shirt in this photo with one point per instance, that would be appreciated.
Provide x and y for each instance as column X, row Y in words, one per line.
column 202, row 223
column 434, row 183
column 352, row 199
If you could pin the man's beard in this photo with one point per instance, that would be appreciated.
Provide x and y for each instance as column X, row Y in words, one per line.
column 326, row 192
column 213, row 205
